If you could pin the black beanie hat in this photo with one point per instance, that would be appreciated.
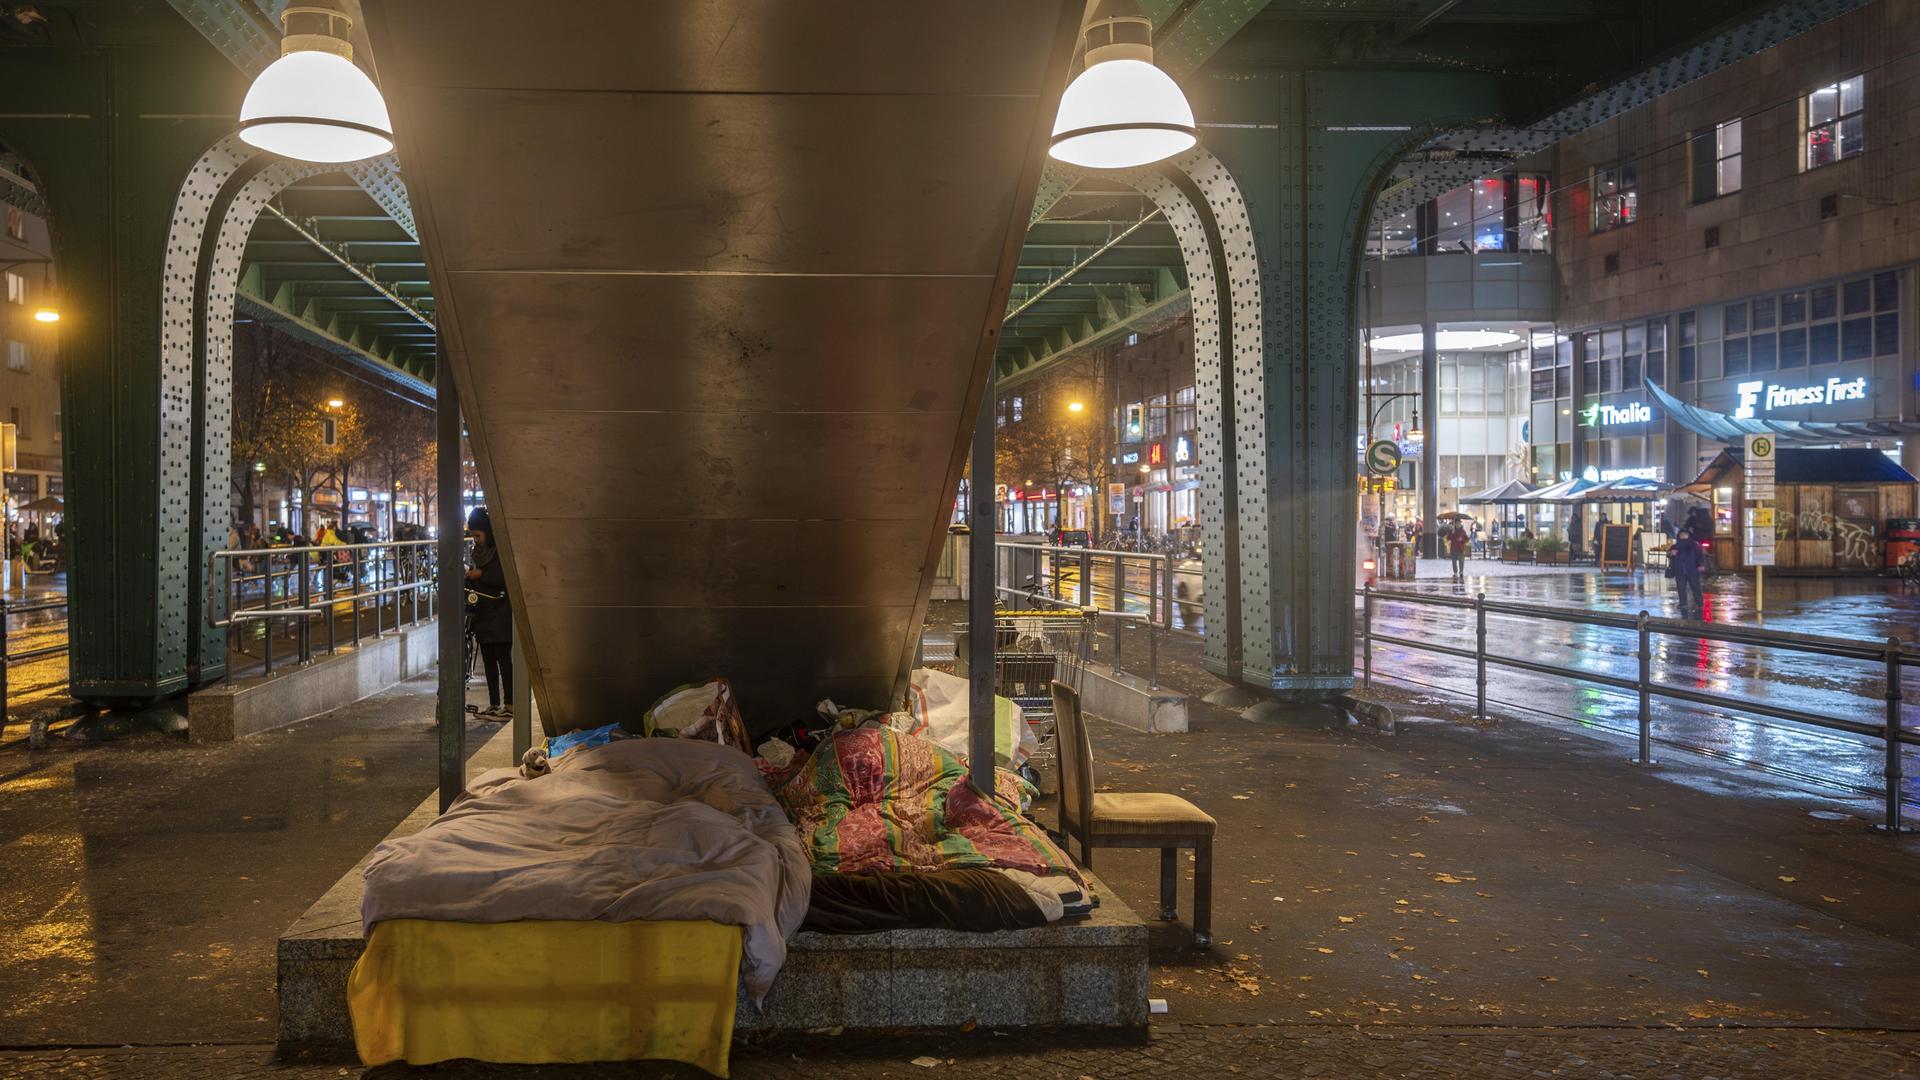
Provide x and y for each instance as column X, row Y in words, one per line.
column 479, row 520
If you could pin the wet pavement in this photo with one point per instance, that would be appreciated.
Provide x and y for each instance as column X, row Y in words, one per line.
column 147, row 880
column 1454, row 900
column 1867, row 610
column 1458, row 899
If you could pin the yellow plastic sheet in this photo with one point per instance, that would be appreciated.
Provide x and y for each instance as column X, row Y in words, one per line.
column 536, row 992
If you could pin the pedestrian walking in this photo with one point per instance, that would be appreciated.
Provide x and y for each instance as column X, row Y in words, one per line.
column 1457, row 543
column 492, row 615
column 1684, row 564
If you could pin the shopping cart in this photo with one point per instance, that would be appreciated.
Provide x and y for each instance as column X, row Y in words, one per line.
column 1033, row 649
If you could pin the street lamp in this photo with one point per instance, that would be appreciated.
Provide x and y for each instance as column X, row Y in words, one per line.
column 313, row 104
column 1414, row 432
column 1076, row 406
column 1122, row 111
column 46, row 315
column 335, row 403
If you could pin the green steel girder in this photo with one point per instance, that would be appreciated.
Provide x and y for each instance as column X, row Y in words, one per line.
column 110, row 134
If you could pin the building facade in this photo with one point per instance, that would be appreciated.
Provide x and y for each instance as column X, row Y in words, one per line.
column 30, row 381
column 1748, row 244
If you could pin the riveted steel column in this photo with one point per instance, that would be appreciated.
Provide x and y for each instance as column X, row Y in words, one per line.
column 1430, row 446
column 111, row 138
column 452, row 709
column 1309, row 150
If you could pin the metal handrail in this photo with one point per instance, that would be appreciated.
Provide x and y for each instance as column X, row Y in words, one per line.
column 397, row 569
column 1893, row 653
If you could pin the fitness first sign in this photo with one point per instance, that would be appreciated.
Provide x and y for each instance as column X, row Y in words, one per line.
column 1757, row 397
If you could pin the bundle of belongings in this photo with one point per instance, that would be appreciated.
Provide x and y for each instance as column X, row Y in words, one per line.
column 604, row 900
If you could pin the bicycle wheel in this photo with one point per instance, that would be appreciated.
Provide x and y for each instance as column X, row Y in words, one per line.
column 469, row 651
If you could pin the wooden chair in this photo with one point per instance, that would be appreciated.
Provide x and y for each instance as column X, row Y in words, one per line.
column 1131, row 819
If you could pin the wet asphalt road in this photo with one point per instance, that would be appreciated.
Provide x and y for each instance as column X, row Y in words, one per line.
column 1861, row 609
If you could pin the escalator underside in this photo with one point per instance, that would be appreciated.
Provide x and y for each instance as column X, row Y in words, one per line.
column 720, row 284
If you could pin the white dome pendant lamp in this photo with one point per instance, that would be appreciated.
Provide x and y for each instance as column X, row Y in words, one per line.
column 1121, row 111
column 313, row 104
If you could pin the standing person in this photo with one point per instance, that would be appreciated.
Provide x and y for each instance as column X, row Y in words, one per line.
column 1599, row 534
column 492, row 615
column 1684, row 563
column 1457, row 544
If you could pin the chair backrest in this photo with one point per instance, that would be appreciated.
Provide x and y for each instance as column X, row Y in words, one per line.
column 1076, row 763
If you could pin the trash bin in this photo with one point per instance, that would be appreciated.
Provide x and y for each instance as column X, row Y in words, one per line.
column 1903, row 537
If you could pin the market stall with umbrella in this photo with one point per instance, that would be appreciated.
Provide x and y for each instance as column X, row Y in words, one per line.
column 1512, row 493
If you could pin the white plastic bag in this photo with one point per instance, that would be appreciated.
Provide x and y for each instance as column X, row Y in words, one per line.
column 937, row 704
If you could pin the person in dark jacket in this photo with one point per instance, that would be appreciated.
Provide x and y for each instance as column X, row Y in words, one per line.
column 492, row 615
column 1685, row 562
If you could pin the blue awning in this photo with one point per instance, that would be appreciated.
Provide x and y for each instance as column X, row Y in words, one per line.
column 1732, row 430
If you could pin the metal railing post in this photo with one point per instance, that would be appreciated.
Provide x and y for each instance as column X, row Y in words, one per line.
column 1480, row 656
column 1895, row 768
column 266, row 625
column 1119, row 582
column 1153, row 655
column 355, row 586
column 326, row 591
column 1644, row 684
column 1366, row 637
column 1086, row 578
column 1119, row 625
column 1166, row 592
column 305, row 625
column 6, row 689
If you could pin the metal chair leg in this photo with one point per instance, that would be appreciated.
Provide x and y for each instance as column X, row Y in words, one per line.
column 1203, row 893
column 1169, row 884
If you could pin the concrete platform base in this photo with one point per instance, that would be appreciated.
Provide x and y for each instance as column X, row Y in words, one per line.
column 250, row 706
column 1091, row 973
column 1127, row 699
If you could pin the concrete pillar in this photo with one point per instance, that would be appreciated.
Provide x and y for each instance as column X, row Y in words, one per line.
column 1430, row 452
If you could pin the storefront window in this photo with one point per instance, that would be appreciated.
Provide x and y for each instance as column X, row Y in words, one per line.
column 1184, row 418
column 1157, row 416
column 1836, row 121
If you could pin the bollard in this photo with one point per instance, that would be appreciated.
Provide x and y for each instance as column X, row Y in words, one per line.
column 1480, row 655
column 1895, row 770
column 1366, row 636
column 1646, row 693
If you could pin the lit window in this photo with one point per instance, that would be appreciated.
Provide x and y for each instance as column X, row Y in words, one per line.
column 1018, row 408
column 16, row 288
column 1836, row 121
column 16, row 223
column 1616, row 197
column 17, row 414
column 1714, row 158
column 1132, row 340
column 1157, row 416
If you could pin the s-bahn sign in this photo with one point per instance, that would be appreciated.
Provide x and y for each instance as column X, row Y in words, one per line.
column 1383, row 456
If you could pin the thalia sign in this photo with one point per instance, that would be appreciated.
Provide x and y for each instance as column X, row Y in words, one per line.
column 1756, row 396
column 1598, row 415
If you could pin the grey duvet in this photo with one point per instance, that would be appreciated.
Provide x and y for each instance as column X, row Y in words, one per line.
column 638, row 829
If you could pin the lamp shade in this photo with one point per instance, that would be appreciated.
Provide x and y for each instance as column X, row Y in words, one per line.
column 1120, row 114
column 316, row 106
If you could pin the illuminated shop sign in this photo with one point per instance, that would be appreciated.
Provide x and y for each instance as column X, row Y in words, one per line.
column 1598, row 415
column 1182, row 449
column 1760, row 396
column 1156, row 454
column 1131, row 457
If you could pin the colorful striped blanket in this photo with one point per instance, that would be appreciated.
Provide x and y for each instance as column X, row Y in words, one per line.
column 874, row 799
